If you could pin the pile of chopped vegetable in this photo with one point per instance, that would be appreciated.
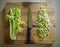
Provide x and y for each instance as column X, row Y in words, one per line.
column 14, row 17
column 43, row 22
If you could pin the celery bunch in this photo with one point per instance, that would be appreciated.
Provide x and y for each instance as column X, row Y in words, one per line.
column 43, row 22
column 14, row 18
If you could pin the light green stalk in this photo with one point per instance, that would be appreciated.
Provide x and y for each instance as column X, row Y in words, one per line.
column 11, row 30
column 14, row 36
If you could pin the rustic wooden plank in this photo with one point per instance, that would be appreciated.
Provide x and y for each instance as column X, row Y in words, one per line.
column 27, row 45
column 35, row 7
column 21, row 37
column 48, row 40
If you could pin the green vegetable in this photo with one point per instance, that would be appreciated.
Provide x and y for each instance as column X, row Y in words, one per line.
column 43, row 22
column 14, row 18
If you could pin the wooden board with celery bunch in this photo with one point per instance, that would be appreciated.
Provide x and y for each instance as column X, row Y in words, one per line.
column 14, row 18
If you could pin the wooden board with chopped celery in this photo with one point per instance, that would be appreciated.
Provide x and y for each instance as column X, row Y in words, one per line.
column 41, row 34
column 14, row 18
column 43, row 24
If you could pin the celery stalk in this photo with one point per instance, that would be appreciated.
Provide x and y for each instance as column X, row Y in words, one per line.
column 11, row 30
